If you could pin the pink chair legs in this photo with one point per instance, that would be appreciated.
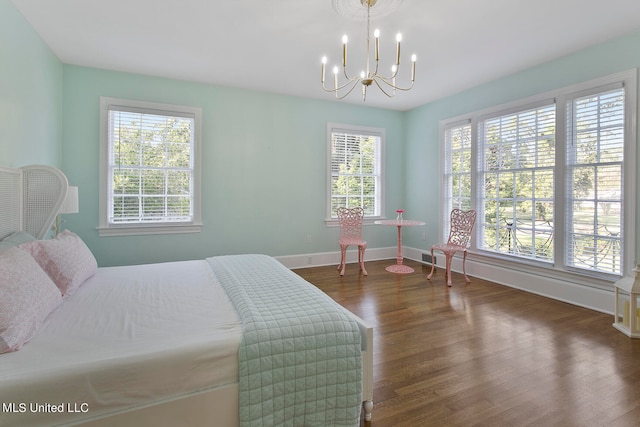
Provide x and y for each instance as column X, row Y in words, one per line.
column 448, row 257
column 343, row 256
column 433, row 266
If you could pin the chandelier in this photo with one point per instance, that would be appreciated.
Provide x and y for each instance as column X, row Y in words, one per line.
column 369, row 75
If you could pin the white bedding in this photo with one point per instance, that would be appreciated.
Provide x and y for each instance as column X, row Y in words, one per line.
column 173, row 314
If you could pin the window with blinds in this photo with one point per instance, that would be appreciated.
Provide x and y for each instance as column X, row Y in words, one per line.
column 517, row 176
column 355, row 169
column 150, row 165
column 550, row 179
column 457, row 171
column 595, row 161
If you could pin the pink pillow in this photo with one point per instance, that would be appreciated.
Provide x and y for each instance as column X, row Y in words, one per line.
column 27, row 297
column 66, row 259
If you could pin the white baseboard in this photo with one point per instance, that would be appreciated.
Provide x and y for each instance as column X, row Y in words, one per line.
column 593, row 298
column 582, row 295
column 333, row 258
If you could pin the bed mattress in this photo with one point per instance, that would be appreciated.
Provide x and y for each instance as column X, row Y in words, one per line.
column 139, row 330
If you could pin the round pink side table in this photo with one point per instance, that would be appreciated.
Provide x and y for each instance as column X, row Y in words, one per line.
column 399, row 267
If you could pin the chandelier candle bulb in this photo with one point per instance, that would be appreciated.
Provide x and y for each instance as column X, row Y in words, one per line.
column 376, row 34
column 413, row 67
column 324, row 62
column 394, row 70
column 335, row 78
column 398, row 39
column 345, row 39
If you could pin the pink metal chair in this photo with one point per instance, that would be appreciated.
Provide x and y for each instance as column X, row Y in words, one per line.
column 351, row 234
column 459, row 235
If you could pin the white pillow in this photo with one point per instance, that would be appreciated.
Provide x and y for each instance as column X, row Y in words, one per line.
column 66, row 259
column 27, row 297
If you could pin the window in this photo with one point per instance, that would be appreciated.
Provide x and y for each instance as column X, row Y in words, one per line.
column 149, row 168
column 595, row 161
column 551, row 178
column 355, row 169
column 515, row 201
column 457, row 170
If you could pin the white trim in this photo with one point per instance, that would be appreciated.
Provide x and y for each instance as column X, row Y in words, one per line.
column 321, row 259
column 149, row 229
column 369, row 220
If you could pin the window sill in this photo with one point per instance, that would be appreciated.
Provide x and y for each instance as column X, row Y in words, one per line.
column 137, row 230
column 333, row 222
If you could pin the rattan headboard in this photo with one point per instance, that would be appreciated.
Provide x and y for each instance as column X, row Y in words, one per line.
column 31, row 198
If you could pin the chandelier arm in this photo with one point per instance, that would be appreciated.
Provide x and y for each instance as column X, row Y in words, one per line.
column 386, row 81
column 375, row 73
column 382, row 89
column 346, row 76
column 353, row 81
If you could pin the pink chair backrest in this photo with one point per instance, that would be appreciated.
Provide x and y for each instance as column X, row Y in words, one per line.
column 461, row 225
column 350, row 222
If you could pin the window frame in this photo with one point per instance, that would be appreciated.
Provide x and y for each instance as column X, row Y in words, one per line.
column 106, row 228
column 330, row 218
column 558, row 268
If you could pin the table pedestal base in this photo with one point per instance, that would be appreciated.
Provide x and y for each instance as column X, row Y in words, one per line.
column 400, row 268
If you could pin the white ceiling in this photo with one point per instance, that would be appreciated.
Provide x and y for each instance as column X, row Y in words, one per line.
column 276, row 46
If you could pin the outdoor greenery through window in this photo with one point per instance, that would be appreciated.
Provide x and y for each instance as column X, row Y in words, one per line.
column 457, row 170
column 355, row 169
column 547, row 178
column 151, row 165
column 516, row 167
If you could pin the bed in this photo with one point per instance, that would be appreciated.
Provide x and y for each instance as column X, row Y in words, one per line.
column 225, row 341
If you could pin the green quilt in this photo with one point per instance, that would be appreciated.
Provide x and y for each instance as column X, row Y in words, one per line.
column 299, row 360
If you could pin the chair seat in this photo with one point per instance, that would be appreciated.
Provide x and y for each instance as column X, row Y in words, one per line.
column 449, row 248
column 352, row 241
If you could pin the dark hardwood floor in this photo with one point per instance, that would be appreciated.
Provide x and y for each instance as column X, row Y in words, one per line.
column 482, row 354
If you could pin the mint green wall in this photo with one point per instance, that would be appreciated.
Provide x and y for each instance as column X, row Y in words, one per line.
column 422, row 124
column 30, row 94
column 263, row 167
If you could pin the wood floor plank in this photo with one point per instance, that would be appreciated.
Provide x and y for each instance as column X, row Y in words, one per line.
column 483, row 354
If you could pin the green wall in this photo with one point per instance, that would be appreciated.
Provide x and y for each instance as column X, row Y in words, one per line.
column 30, row 94
column 422, row 164
column 263, row 167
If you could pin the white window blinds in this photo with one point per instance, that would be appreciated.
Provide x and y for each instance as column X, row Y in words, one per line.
column 552, row 179
column 516, row 190
column 151, row 171
column 457, row 171
column 595, row 165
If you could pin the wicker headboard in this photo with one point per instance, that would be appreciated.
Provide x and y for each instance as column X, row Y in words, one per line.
column 30, row 197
